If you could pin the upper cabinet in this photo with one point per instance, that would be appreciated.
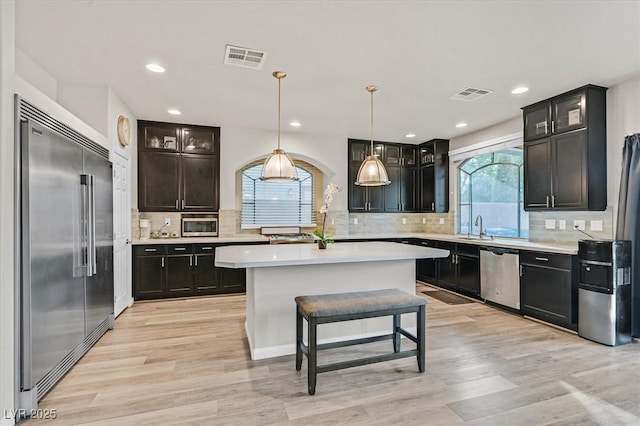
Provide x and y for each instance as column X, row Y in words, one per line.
column 178, row 167
column 434, row 176
column 414, row 170
column 565, row 152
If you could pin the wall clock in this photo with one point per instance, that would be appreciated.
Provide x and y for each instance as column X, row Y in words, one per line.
column 124, row 130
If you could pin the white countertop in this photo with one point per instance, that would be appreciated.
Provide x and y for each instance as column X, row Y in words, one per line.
column 498, row 242
column 256, row 256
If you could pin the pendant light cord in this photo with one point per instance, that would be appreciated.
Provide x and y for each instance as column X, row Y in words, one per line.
column 372, row 122
column 279, row 84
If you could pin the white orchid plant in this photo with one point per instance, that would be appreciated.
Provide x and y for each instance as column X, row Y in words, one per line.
column 331, row 190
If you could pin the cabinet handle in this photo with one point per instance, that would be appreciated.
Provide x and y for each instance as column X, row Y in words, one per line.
column 180, row 248
column 547, row 201
column 196, row 260
column 176, row 204
column 553, row 126
column 163, row 262
column 190, row 260
column 424, row 243
column 553, row 201
column 433, row 206
column 207, row 248
column 182, row 204
column 520, row 270
column 151, row 250
column 542, row 259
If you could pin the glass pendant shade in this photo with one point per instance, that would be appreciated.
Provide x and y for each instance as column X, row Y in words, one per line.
column 279, row 168
column 372, row 171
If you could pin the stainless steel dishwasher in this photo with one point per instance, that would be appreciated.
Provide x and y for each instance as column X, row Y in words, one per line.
column 500, row 276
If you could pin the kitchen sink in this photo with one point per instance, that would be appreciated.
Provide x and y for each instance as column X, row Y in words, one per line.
column 476, row 238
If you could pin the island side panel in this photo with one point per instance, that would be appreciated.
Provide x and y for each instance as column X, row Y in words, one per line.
column 271, row 308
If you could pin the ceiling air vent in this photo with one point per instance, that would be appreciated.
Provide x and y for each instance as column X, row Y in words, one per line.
column 244, row 57
column 470, row 94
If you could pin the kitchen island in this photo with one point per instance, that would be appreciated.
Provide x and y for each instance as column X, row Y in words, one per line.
column 276, row 274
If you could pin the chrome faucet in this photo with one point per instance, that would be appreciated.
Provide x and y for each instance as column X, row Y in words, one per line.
column 479, row 223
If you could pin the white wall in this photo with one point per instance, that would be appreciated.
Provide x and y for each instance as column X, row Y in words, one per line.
column 623, row 118
column 88, row 102
column 7, row 71
column 498, row 131
column 33, row 72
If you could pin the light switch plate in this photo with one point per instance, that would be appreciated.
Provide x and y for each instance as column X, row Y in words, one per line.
column 355, row 220
column 595, row 225
column 550, row 224
column 580, row 224
column 404, row 220
column 441, row 222
column 424, row 220
column 562, row 224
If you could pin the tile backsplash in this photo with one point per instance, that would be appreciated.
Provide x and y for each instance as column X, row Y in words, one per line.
column 538, row 231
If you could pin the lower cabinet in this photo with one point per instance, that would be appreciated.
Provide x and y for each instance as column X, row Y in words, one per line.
column 177, row 270
column 426, row 269
column 549, row 287
column 460, row 271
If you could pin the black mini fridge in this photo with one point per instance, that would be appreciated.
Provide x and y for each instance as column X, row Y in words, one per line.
column 604, row 291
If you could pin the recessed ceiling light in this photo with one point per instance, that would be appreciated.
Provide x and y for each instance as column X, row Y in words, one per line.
column 174, row 112
column 410, row 135
column 463, row 124
column 519, row 90
column 155, row 68
column 295, row 124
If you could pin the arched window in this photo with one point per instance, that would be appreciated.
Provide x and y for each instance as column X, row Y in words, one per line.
column 491, row 185
column 277, row 203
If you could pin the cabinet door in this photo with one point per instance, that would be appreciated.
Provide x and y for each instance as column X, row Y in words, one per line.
column 149, row 277
column 546, row 294
column 195, row 140
column 537, row 121
column 570, row 171
column 357, row 194
column 199, row 183
column 427, row 188
column 446, row 267
column 157, row 136
column 392, row 198
column 392, row 155
column 426, row 268
column 179, row 275
column 158, row 186
column 537, row 175
column 232, row 280
column 206, row 280
column 375, row 198
column 569, row 112
column 469, row 274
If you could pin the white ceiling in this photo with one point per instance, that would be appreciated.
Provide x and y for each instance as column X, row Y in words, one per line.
column 419, row 53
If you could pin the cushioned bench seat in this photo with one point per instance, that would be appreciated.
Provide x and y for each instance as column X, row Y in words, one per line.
column 329, row 308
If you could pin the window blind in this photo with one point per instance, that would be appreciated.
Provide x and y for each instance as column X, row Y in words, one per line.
column 277, row 203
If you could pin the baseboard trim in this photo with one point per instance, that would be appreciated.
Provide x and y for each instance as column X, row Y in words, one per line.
column 7, row 422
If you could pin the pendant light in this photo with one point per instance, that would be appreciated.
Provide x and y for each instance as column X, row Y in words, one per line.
column 279, row 167
column 372, row 171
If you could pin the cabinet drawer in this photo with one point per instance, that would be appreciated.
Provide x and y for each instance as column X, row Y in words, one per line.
column 468, row 249
column 204, row 248
column 180, row 249
column 149, row 250
column 551, row 260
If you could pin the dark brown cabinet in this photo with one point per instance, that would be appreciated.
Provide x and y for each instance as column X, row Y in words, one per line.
column 426, row 269
column 461, row 270
column 434, row 176
column 565, row 152
column 179, row 167
column 549, row 288
column 400, row 195
column 363, row 198
column 175, row 270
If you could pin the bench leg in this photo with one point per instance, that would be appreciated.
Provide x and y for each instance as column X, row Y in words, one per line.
column 421, row 338
column 298, row 340
column 312, row 356
column 396, row 335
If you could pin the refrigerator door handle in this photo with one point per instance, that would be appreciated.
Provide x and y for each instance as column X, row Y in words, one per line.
column 94, row 251
column 90, row 223
column 85, row 182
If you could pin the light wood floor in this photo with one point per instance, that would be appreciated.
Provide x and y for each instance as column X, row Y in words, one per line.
column 186, row 362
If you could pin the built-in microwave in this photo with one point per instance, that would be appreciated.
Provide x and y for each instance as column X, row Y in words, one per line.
column 200, row 227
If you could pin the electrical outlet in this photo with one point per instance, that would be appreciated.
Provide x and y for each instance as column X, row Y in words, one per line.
column 441, row 221
column 333, row 222
column 562, row 224
column 404, row 220
column 595, row 225
column 579, row 224
column 424, row 220
column 355, row 220
column 550, row 224
column 167, row 221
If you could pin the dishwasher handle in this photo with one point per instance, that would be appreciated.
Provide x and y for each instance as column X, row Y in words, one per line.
column 499, row 251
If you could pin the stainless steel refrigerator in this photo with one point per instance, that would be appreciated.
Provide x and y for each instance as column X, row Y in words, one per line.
column 66, row 245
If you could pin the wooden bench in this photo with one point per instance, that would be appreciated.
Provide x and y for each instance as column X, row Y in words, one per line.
column 329, row 308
